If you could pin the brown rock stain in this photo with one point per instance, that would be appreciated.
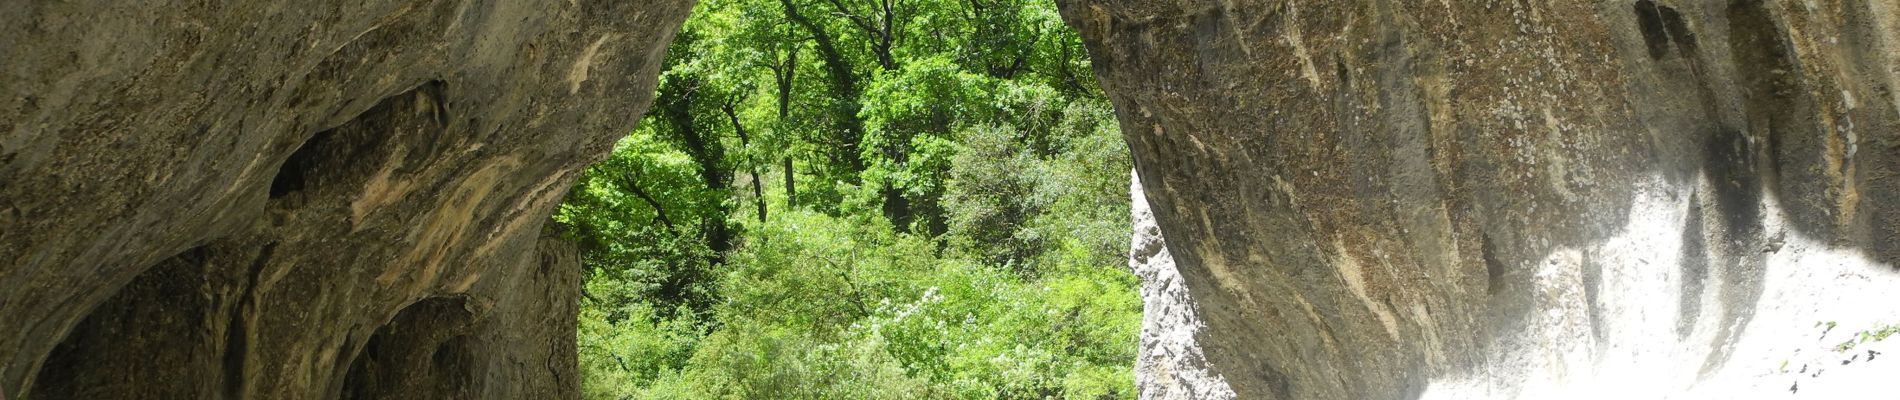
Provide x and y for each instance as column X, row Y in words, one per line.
column 447, row 226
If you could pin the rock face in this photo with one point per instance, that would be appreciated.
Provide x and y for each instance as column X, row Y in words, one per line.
column 1170, row 364
column 296, row 199
column 1396, row 199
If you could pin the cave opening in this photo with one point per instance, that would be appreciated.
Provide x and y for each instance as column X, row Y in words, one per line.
column 412, row 124
column 296, row 170
column 157, row 337
column 422, row 353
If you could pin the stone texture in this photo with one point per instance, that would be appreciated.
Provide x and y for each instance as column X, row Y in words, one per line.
column 1394, row 199
column 297, row 199
column 1169, row 364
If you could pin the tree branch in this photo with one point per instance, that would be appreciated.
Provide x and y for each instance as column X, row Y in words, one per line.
column 659, row 211
column 730, row 107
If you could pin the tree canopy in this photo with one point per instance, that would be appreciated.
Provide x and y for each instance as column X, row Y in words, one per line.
column 862, row 199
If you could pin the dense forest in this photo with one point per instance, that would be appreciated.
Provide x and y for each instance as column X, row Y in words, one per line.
column 862, row 199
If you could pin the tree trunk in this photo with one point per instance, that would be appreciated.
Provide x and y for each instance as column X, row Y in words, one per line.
column 791, row 190
column 786, row 77
column 844, row 88
column 745, row 144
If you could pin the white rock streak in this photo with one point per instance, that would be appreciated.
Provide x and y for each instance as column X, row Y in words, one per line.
column 1787, row 349
column 1170, row 365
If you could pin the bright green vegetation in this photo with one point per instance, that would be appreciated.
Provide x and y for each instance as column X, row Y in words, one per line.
column 862, row 199
column 1875, row 334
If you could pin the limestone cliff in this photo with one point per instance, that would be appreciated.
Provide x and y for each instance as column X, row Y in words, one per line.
column 303, row 199
column 1170, row 365
column 1394, row 199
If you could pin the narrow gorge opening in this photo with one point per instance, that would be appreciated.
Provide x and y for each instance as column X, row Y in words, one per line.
column 884, row 199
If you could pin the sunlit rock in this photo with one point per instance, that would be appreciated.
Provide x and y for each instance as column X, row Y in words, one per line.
column 1459, row 199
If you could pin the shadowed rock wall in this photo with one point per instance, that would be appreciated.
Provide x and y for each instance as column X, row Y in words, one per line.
column 1391, row 199
column 294, row 199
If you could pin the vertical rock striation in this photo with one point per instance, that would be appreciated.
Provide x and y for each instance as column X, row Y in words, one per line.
column 1396, row 199
column 294, row 199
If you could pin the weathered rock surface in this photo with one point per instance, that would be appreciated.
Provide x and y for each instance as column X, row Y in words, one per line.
column 1392, row 199
column 296, row 199
column 1170, row 364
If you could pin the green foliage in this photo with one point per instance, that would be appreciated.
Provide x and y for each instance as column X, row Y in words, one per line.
column 833, row 309
column 912, row 114
column 877, row 199
column 1011, row 193
column 1875, row 334
column 622, row 356
column 626, row 213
